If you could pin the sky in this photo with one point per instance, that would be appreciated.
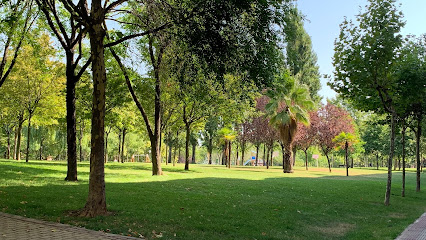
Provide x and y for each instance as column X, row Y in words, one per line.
column 323, row 18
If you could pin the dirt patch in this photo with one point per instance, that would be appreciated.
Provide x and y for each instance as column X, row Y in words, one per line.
column 334, row 230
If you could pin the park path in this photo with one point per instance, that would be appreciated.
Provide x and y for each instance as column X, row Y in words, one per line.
column 20, row 228
column 416, row 231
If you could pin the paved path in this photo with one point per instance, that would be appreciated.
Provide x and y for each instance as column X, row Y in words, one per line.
column 20, row 228
column 416, row 231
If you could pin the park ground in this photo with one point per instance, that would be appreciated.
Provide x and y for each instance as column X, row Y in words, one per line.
column 212, row 202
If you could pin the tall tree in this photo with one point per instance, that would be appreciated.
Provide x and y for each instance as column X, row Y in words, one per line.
column 289, row 104
column 306, row 135
column 365, row 55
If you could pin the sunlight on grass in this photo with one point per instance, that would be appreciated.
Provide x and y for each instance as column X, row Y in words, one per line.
column 213, row 202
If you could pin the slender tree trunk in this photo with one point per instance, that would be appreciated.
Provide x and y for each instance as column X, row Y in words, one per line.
column 329, row 164
column 243, row 150
column 264, row 154
column 8, row 144
column 41, row 150
column 306, row 158
column 229, row 153
column 237, row 162
column 418, row 137
column 377, row 160
column 80, row 141
column 71, row 119
column 346, row 158
column 106, row 146
column 267, row 157
column 27, row 156
column 403, row 158
column 294, row 150
column 257, row 154
column 170, row 154
column 194, row 146
column 119, row 146
column 188, row 132
column 209, row 155
column 122, row 143
column 96, row 201
column 391, row 151
column 271, row 162
column 18, row 139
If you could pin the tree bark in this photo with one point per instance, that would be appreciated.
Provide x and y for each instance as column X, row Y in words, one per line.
column 18, row 138
column 257, row 155
column 346, row 158
column 329, row 164
column 264, row 154
column 377, row 160
column 267, row 157
column 119, row 146
column 194, row 146
column 123, row 139
column 236, row 159
column 170, row 154
column 96, row 201
column 418, row 136
column 71, row 119
column 8, row 143
column 188, row 133
column 306, row 158
column 403, row 158
column 391, row 151
column 229, row 153
column 41, row 149
column 243, row 150
column 27, row 155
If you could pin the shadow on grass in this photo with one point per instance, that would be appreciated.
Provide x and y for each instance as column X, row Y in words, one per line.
column 230, row 208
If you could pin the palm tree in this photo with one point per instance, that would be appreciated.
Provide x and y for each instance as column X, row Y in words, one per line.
column 289, row 104
column 226, row 136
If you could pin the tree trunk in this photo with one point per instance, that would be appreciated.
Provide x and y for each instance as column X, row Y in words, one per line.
column 71, row 120
column 271, row 162
column 391, row 151
column 257, row 155
column 8, row 144
column 264, row 154
column 106, row 146
column 209, row 154
column 294, row 150
column 119, row 146
column 18, row 138
column 41, row 150
column 329, row 164
column 377, row 160
column 346, row 158
column 80, row 140
column 236, row 159
column 243, row 150
column 267, row 157
column 27, row 156
column 418, row 136
column 403, row 159
column 229, row 153
column 123, row 139
column 306, row 158
column 170, row 154
column 288, row 166
column 96, row 202
column 194, row 146
column 188, row 132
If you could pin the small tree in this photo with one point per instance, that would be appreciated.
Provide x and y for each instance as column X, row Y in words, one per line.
column 344, row 141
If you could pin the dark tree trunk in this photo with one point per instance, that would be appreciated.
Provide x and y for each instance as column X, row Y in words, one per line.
column 271, row 162
column 71, row 119
column 377, row 160
column 106, row 146
column 27, row 156
column 294, row 150
column 40, row 157
column 236, row 159
column 224, row 155
column 119, row 146
column 418, row 136
column 267, row 158
column 80, row 141
column 257, row 155
column 229, row 153
column 170, row 154
column 18, row 138
column 264, row 154
column 188, row 133
column 194, row 146
column 243, row 150
column 8, row 144
column 346, row 158
column 288, row 167
column 96, row 201
column 329, row 163
column 391, row 151
column 123, row 140
column 306, row 158
column 403, row 158
column 209, row 155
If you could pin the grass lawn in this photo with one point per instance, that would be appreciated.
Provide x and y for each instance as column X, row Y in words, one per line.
column 212, row 202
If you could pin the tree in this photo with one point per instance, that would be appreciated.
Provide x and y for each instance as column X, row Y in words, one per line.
column 343, row 141
column 332, row 120
column 364, row 58
column 17, row 19
column 306, row 135
column 210, row 132
column 300, row 57
column 289, row 104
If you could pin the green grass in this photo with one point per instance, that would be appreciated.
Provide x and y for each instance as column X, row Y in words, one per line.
column 212, row 202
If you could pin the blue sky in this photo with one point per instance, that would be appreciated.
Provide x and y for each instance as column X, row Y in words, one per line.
column 324, row 17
